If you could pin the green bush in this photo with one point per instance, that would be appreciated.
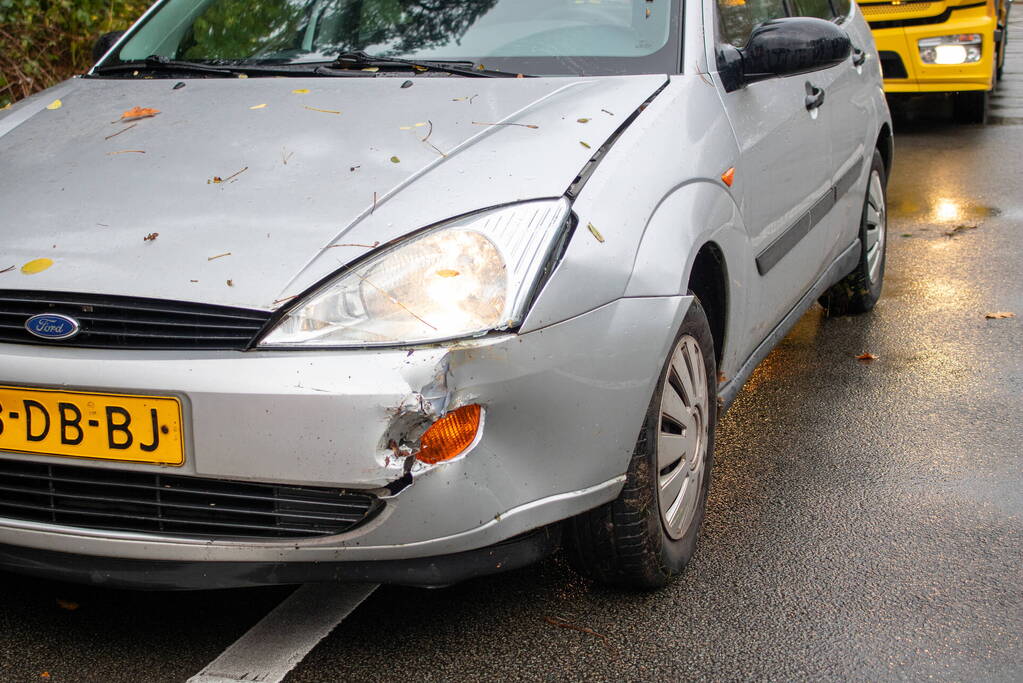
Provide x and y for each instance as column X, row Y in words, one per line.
column 43, row 42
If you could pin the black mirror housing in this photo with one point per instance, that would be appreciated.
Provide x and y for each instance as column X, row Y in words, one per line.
column 793, row 45
column 104, row 43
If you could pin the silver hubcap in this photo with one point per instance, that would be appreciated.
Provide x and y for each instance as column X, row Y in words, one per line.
column 682, row 437
column 876, row 227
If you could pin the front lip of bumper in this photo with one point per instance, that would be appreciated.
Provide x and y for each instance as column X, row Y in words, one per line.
column 135, row 574
column 561, row 428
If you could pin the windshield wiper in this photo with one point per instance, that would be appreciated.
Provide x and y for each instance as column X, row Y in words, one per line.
column 359, row 59
column 157, row 63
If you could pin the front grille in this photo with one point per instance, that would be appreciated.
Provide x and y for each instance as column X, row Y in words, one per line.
column 115, row 500
column 131, row 323
column 891, row 65
column 903, row 9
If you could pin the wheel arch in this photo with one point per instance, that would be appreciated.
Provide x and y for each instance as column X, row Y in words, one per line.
column 708, row 280
column 886, row 146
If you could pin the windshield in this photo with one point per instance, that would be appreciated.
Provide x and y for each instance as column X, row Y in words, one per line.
column 525, row 36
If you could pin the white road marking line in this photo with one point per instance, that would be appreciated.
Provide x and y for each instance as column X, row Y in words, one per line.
column 281, row 639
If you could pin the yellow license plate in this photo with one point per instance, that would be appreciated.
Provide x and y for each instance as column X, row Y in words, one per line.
column 144, row 429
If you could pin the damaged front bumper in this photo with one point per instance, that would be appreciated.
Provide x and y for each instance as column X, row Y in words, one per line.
column 563, row 406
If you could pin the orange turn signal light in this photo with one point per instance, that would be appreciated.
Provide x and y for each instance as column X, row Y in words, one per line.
column 450, row 436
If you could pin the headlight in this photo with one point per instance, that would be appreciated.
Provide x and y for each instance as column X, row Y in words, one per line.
column 460, row 279
column 963, row 48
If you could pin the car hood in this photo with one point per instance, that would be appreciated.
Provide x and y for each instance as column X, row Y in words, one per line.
column 245, row 192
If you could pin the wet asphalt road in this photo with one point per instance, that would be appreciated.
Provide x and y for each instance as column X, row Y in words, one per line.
column 865, row 521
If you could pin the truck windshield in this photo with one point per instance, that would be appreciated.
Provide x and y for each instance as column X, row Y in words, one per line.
column 590, row 37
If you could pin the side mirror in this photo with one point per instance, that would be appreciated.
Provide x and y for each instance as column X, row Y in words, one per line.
column 104, row 43
column 793, row 45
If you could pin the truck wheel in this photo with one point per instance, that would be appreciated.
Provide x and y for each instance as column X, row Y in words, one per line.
column 859, row 291
column 970, row 107
column 647, row 535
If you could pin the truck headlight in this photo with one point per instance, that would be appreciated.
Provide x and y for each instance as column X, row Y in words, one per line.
column 459, row 279
column 962, row 48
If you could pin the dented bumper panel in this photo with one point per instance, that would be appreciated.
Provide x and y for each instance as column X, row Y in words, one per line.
column 562, row 406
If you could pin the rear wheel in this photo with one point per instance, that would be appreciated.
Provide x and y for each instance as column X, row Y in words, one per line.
column 647, row 535
column 859, row 291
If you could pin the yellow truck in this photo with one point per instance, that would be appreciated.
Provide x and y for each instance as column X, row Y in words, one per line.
column 935, row 46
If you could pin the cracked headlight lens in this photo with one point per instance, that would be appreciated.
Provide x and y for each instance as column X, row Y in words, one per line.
column 460, row 279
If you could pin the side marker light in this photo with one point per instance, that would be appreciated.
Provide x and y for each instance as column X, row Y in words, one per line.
column 728, row 177
column 450, row 436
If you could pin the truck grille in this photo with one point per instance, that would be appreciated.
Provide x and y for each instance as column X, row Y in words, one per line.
column 115, row 500
column 131, row 323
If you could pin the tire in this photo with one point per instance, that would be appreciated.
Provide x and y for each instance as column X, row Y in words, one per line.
column 859, row 291
column 970, row 107
column 635, row 541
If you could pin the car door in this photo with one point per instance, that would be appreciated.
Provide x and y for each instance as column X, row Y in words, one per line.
column 785, row 169
column 851, row 86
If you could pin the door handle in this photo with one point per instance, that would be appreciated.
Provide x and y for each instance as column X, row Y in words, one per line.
column 814, row 96
column 859, row 57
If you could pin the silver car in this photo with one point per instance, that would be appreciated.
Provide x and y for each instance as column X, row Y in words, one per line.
column 409, row 292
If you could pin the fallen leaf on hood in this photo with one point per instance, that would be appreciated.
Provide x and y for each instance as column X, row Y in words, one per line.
column 595, row 232
column 287, row 298
column 607, row 112
column 407, row 84
column 56, row 104
column 214, row 258
column 36, row 266
column 127, row 151
column 286, row 155
column 151, row 237
column 67, row 604
column 6, row 270
column 372, row 69
column 7, row 106
column 138, row 113
column 179, row 85
column 258, row 106
column 300, row 91
column 522, row 125
column 584, row 144
column 866, row 357
column 123, row 130
column 395, row 160
column 366, row 246
column 217, row 180
column 1000, row 315
column 230, row 283
column 582, row 120
column 448, row 273
column 325, row 111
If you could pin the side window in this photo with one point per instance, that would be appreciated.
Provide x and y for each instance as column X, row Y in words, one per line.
column 738, row 18
column 814, row 8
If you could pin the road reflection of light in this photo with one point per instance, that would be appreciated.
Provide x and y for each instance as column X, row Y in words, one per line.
column 947, row 210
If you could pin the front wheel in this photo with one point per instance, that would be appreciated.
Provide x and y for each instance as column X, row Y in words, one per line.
column 647, row 535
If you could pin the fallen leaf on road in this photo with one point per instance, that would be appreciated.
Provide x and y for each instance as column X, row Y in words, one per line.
column 123, row 130
column 36, row 266
column 595, row 232
column 1000, row 315
column 561, row 623
column 56, row 104
column 958, row 229
column 866, row 357
column 68, row 605
column 138, row 113
column 151, row 237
